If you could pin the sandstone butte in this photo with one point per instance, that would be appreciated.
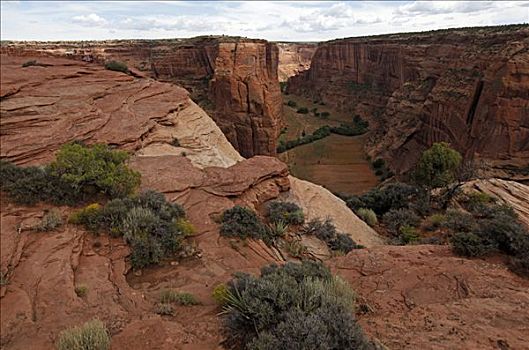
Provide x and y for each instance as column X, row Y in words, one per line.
column 234, row 79
column 416, row 297
column 469, row 87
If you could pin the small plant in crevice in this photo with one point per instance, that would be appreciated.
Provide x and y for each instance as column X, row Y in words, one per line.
column 169, row 296
column 81, row 290
column 327, row 232
column 295, row 306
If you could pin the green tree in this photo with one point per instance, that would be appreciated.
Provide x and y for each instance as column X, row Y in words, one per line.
column 438, row 166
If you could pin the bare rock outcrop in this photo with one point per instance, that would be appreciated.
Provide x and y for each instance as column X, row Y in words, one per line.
column 424, row 297
column 233, row 79
column 468, row 87
column 294, row 58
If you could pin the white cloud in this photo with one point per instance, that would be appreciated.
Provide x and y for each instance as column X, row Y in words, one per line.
column 90, row 20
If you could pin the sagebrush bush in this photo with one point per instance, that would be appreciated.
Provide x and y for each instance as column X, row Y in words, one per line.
column 435, row 222
column 470, row 245
column 458, row 221
column 408, row 234
column 153, row 227
column 50, row 221
column 368, row 215
column 297, row 306
column 242, row 222
column 92, row 335
column 164, row 309
column 438, row 166
column 326, row 231
column 286, row 212
column 397, row 218
column 117, row 66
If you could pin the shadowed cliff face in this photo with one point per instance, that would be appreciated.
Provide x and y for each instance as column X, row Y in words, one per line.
column 234, row 80
column 468, row 87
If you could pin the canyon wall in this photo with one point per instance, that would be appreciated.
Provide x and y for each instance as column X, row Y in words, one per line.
column 469, row 87
column 294, row 58
column 233, row 79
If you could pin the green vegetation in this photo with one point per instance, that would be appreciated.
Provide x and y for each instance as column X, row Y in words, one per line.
column 117, row 66
column 287, row 212
column 303, row 110
column 92, row 335
column 50, row 221
column 292, row 104
column 153, row 227
column 395, row 219
column 438, row 166
column 81, row 290
column 326, row 231
column 368, row 215
column 168, row 296
column 164, row 309
column 295, row 306
column 220, row 294
column 243, row 223
column 383, row 199
column 78, row 173
column 407, row 234
column 34, row 63
column 320, row 133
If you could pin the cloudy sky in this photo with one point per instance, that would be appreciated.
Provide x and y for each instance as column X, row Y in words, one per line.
column 282, row 20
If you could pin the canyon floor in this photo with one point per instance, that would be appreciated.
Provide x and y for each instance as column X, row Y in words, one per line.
column 336, row 162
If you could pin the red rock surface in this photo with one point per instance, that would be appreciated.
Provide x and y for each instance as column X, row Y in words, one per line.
column 234, row 79
column 422, row 297
column 294, row 58
column 469, row 87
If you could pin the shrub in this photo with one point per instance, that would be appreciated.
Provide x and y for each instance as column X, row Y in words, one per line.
column 243, row 223
column 295, row 248
column 292, row 104
column 153, row 227
column 164, row 309
column 368, row 215
column 349, row 130
column 408, row 234
column 320, row 133
column 29, row 63
column 326, row 231
column 382, row 199
column 51, row 220
column 470, row 245
column 95, row 169
column 92, row 335
column 397, row 218
column 220, row 294
column 81, row 290
column 117, row 66
column 435, row 222
column 297, row 306
column 458, row 221
column 438, row 166
column 90, row 217
column 287, row 212
column 303, row 110
column 168, row 296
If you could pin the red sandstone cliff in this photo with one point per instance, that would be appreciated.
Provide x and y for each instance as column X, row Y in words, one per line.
column 469, row 87
column 294, row 58
column 234, row 79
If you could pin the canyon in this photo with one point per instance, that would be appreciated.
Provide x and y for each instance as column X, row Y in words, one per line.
column 201, row 118
column 463, row 86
